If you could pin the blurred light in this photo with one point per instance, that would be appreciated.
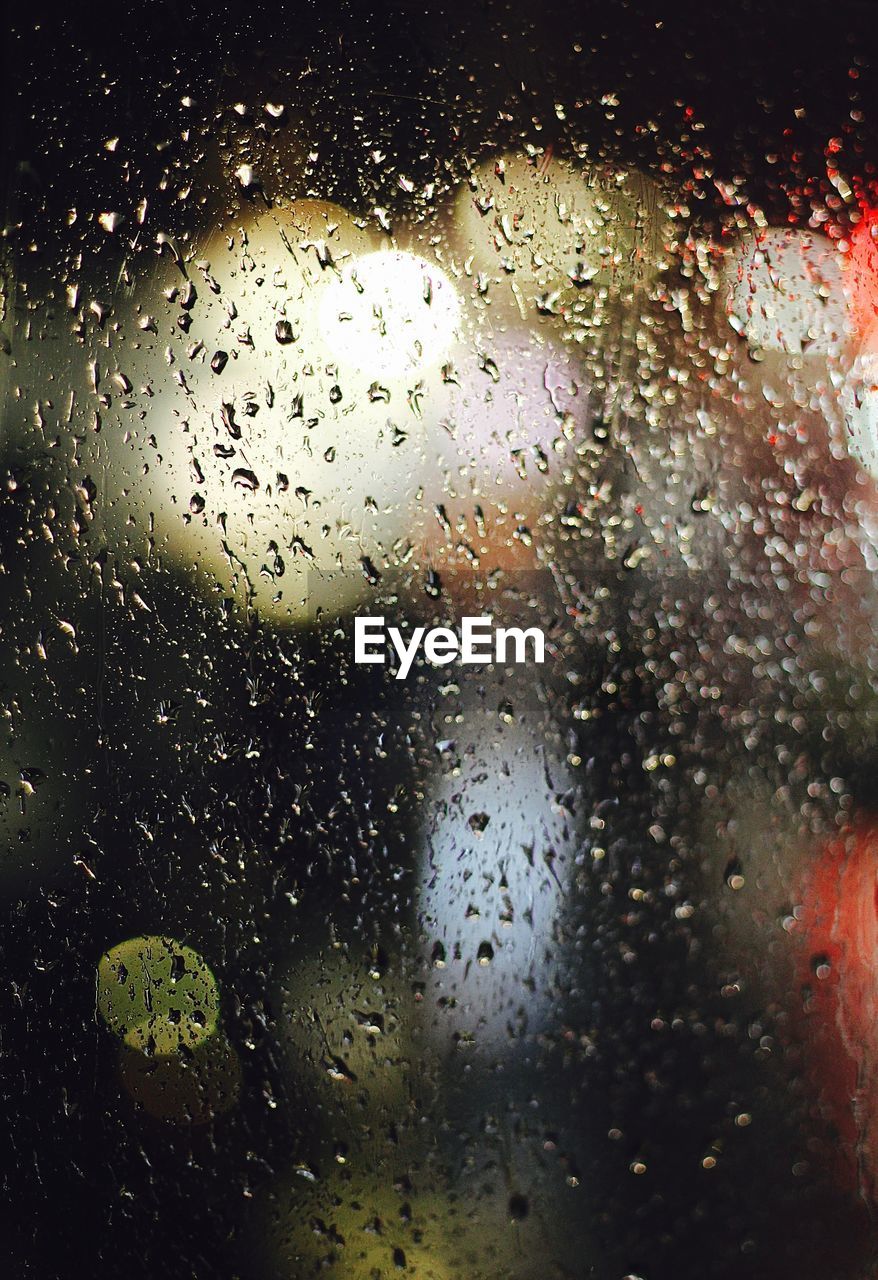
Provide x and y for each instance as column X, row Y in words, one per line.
column 859, row 399
column 182, row 1087
column 364, row 1019
column 162, row 1000
column 319, row 407
column 550, row 232
column 333, row 444
column 278, row 466
column 861, row 273
column 859, row 396
column 156, row 982
column 836, row 939
column 390, row 314
column 428, row 1222
column 785, row 292
column 493, row 869
column 290, row 403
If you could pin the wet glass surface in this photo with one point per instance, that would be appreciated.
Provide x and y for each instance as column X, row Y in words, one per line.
column 565, row 317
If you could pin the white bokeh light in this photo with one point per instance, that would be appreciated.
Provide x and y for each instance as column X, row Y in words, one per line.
column 859, row 401
column 389, row 314
column 494, row 871
column 785, row 292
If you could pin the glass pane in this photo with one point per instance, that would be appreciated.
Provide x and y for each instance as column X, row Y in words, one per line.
column 440, row 460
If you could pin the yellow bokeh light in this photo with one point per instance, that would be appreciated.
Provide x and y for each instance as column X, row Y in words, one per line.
column 183, row 1087
column 156, row 986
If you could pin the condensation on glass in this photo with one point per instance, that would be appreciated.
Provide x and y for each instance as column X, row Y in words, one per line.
column 500, row 970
